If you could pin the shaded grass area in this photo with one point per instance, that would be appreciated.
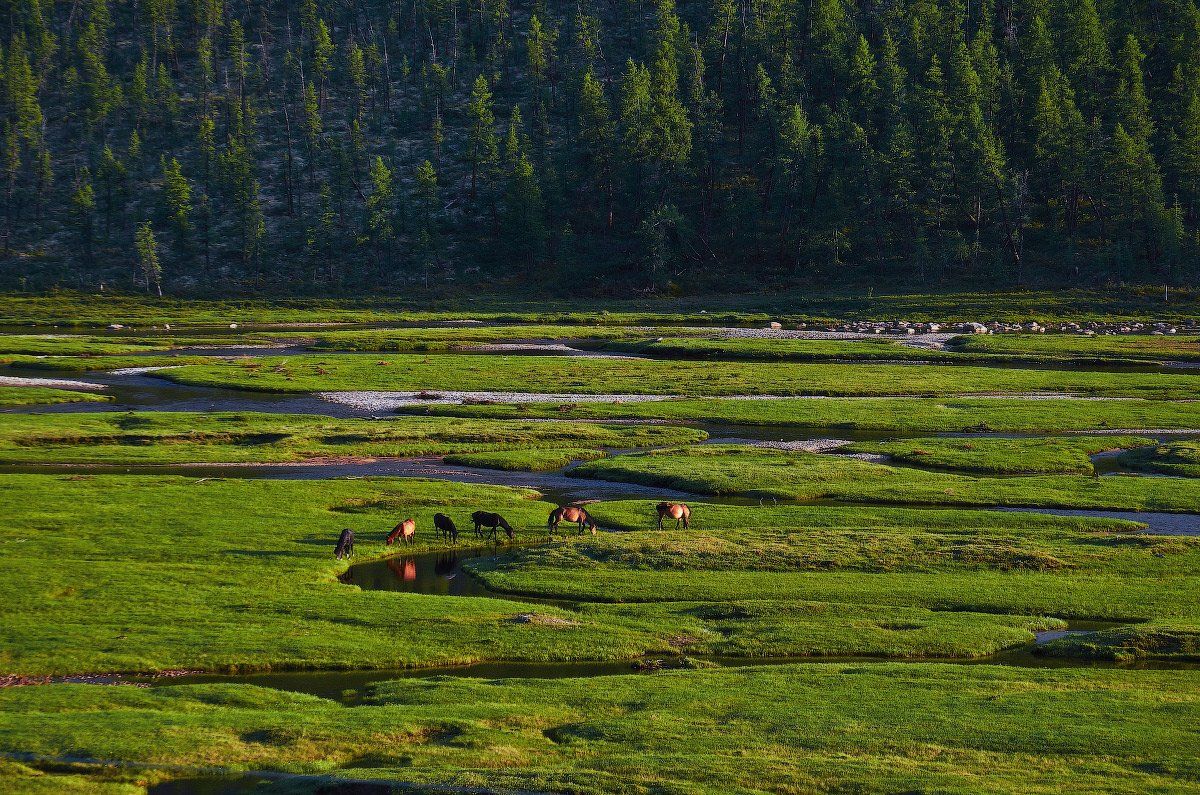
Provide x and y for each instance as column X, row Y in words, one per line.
column 1041, row 455
column 156, row 437
column 1181, row 458
column 1158, row 640
column 804, row 728
column 735, row 470
column 315, row 373
column 39, row 395
column 881, row 414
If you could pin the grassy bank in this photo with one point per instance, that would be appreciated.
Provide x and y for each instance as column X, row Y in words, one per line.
column 159, row 437
column 732, row 470
column 1040, row 455
column 1143, row 347
column 12, row 396
column 68, row 308
column 872, row 414
column 849, row 727
column 112, row 573
column 315, row 373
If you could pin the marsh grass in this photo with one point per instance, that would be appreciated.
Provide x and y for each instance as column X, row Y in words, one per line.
column 316, row 373
column 155, row 437
column 37, row 395
column 734, row 470
column 1040, row 455
column 833, row 727
column 874, row 414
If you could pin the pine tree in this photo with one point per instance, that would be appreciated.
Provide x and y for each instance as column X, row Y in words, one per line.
column 482, row 146
column 83, row 206
column 380, row 203
column 147, row 255
column 177, row 198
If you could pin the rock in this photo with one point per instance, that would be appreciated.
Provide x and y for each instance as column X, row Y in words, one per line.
column 775, row 325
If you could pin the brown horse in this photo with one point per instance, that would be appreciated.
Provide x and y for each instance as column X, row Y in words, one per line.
column 673, row 510
column 406, row 532
column 571, row 514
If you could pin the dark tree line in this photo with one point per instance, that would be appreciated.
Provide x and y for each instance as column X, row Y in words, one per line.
column 345, row 144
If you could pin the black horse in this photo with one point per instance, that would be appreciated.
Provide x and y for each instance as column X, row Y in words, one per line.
column 444, row 526
column 345, row 545
column 494, row 522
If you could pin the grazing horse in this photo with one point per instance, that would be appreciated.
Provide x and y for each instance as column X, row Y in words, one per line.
column 571, row 514
column 445, row 527
column 406, row 532
column 345, row 545
column 673, row 510
column 494, row 522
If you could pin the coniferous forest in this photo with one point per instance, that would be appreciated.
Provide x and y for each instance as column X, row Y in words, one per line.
column 340, row 145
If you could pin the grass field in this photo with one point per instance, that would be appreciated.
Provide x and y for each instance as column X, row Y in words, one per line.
column 74, row 309
column 850, row 727
column 1143, row 347
column 904, row 415
column 316, row 373
column 12, row 396
column 109, row 573
column 733, row 470
column 160, row 437
column 1038, row 455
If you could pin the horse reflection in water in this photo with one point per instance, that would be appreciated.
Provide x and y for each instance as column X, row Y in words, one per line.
column 404, row 568
column 446, row 565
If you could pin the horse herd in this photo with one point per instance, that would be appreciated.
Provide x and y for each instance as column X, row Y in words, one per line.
column 488, row 525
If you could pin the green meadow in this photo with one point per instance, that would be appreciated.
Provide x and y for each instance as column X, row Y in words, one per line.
column 12, row 396
column 734, row 470
column 900, row 617
column 161, row 437
column 901, row 415
column 1022, row 456
column 324, row 373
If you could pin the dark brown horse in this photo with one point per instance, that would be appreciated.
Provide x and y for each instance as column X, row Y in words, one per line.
column 406, row 532
column 445, row 527
column 570, row 513
column 494, row 522
column 673, row 510
column 345, row 545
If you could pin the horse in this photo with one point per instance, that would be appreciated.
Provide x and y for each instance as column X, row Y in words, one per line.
column 674, row 510
column 571, row 513
column 494, row 521
column 345, row 545
column 444, row 526
column 406, row 532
